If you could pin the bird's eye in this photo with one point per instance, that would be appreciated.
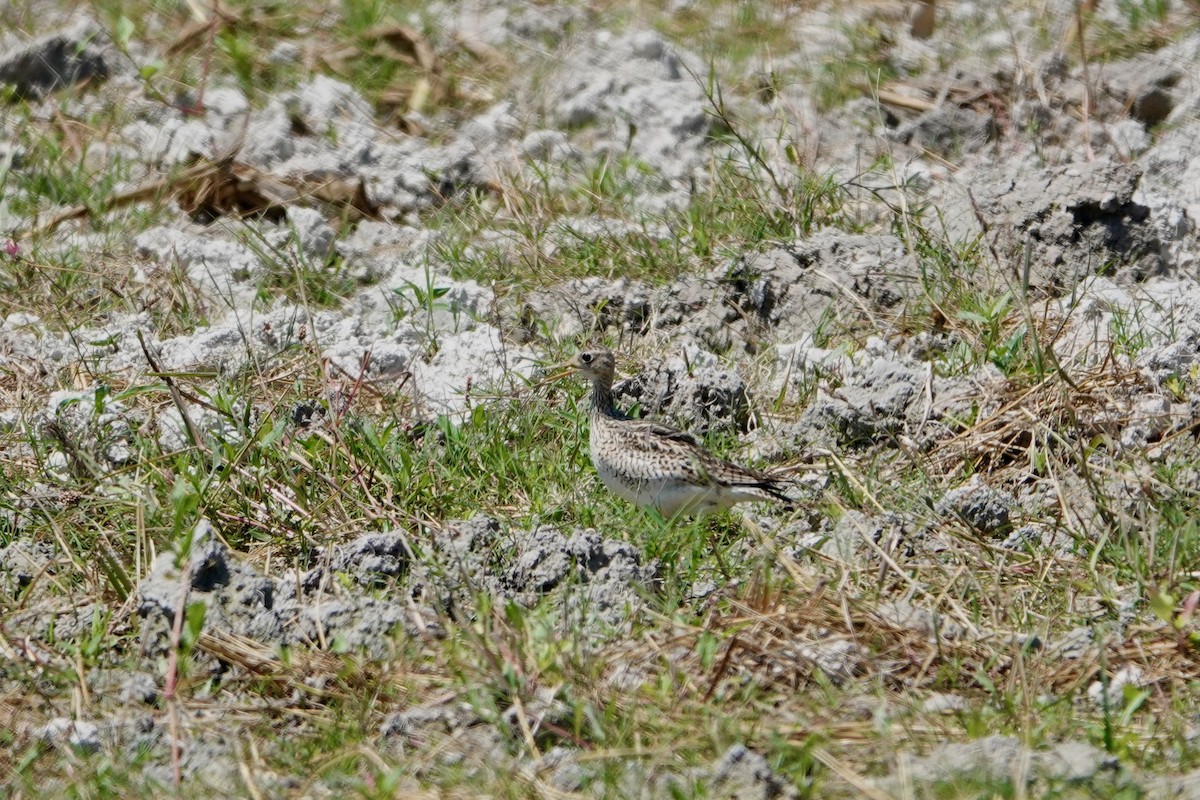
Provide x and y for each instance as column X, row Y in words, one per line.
column 586, row 358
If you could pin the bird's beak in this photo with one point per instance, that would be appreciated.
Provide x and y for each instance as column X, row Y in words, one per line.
column 557, row 372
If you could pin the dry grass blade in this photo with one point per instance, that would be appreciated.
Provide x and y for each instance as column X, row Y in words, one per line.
column 782, row 650
column 1006, row 434
column 264, row 661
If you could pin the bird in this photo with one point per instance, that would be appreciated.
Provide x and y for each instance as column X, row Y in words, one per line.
column 656, row 466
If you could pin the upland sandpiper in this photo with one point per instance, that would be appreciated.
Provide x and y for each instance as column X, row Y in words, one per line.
column 658, row 466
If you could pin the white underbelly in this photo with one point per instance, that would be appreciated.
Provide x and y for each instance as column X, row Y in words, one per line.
column 669, row 496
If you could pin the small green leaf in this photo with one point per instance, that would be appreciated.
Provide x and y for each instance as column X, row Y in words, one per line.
column 1135, row 698
column 123, row 32
column 706, row 649
column 273, row 434
column 151, row 68
column 1162, row 603
column 193, row 624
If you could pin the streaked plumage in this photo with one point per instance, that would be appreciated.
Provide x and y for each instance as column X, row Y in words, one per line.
column 650, row 464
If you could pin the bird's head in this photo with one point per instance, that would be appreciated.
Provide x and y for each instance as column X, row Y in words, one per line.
column 595, row 363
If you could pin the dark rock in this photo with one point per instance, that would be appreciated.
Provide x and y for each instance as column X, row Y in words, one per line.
column 81, row 53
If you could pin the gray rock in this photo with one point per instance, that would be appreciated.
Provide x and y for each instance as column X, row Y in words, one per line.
column 1155, row 327
column 1074, row 644
column 478, row 357
column 839, row 660
column 1026, row 536
column 847, row 536
column 1076, row 762
column 1079, row 220
column 949, row 131
column 423, row 720
column 560, row 768
column 943, row 703
column 326, row 106
column 1111, row 693
column 498, row 124
column 53, row 619
column 1182, row 787
column 551, row 146
column 21, row 562
column 796, row 290
column 579, row 305
column 138, row 688
column 595, row 580
column 77, row 733
column 637, row 89
column 906, row 615
column 1144, row 85
column 369, row 560
column 129, row 689
column 1003, row 758
column 234, row 595
column 692, row 390
column 312, row 236
column 615, row 579
column 742, row 774
column 287, row 611
column 542, row 561
column 985, row 509
column 92, row 432
column 1152, row 415
column 171, row 142
column 783, row 294
column 218, row 266
column 1127, row 137
column 269, row 140
column 877, row 402
column 1170, row 187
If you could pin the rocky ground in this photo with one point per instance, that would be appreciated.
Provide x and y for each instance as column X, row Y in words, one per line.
column 288, row 507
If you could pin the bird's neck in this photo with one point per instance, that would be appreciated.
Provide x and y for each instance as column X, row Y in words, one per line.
column 602, row 399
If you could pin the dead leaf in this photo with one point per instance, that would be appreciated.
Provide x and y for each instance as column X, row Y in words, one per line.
column 923, row 23
column 406, row 44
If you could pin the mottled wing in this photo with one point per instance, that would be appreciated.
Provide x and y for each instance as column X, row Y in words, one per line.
column 734, row 475
column 726, row 473
column 658, row 453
